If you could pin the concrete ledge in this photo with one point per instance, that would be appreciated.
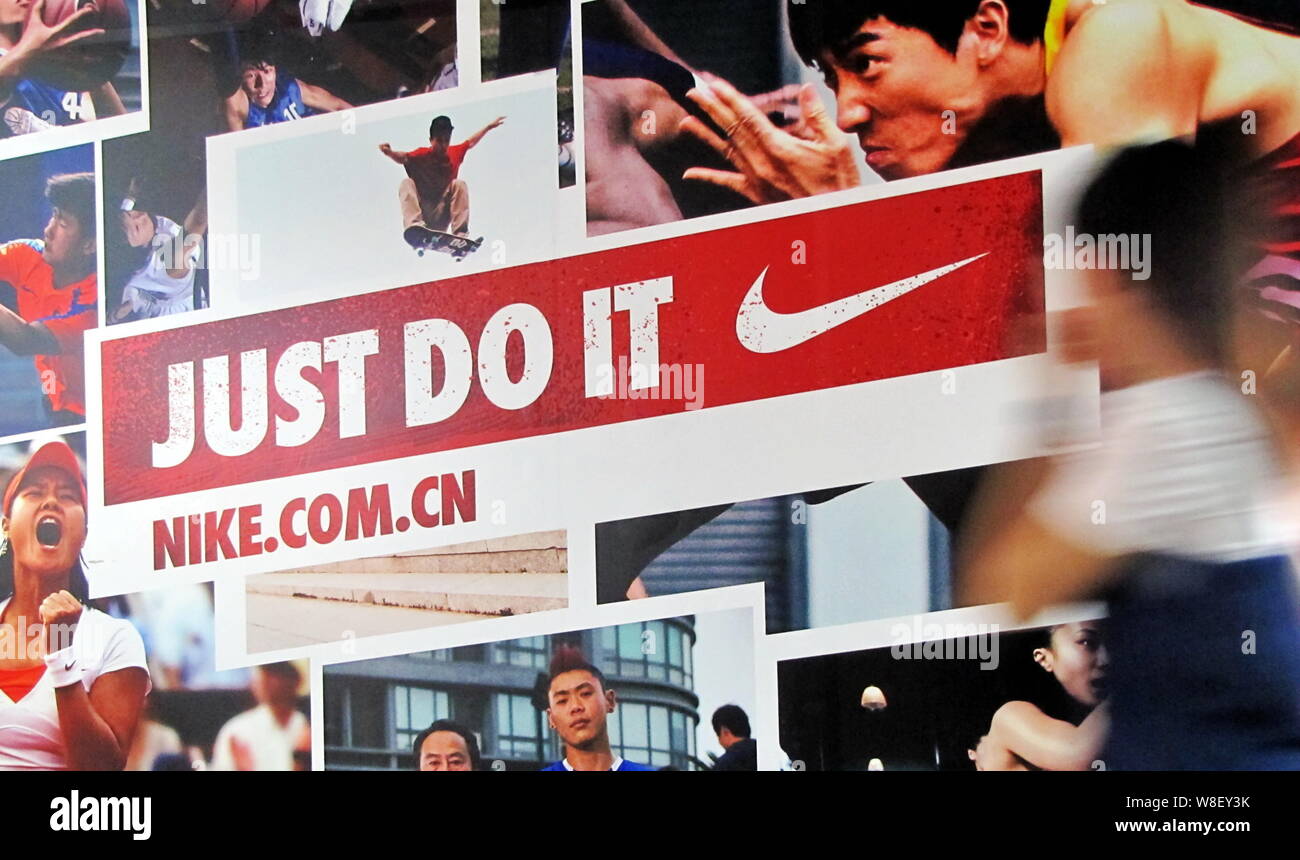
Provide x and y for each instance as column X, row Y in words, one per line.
column 486, row 594
column 292, row 622
column 534, row 540
column 503, row 561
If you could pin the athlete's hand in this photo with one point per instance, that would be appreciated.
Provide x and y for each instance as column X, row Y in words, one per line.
column 138, row 227
column 39, row 37
column 772, row 164
column 385, row 149
column 783, row 102
column 60, row 613
column 496, row 122
column 122, row 312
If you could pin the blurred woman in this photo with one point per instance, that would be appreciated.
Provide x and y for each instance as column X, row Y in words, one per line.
column 72, row 679
column 1176, row 516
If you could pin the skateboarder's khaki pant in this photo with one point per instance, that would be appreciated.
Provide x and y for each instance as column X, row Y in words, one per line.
column 450, row 213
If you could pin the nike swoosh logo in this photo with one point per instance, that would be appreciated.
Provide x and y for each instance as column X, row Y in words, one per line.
column 763, row 330
column 69, row 666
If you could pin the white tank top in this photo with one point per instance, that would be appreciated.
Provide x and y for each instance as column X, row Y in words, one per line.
column 150, row 289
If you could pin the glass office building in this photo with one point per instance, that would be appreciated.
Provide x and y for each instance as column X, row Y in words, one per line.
column 375, row 708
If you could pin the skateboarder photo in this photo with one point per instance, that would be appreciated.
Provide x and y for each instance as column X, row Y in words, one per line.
column 434, row 201
column 453, row 203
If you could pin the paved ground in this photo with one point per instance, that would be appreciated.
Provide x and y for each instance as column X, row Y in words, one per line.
column 289, row 622
column 485, row 593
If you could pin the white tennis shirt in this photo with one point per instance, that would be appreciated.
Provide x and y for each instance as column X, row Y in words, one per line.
column 30, row 738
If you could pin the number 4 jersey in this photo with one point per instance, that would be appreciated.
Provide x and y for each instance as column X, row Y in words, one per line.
column 33, row 106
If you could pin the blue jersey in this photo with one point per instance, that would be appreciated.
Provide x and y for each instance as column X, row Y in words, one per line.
column 623, row 765
column 287, row 105
column 46, row 102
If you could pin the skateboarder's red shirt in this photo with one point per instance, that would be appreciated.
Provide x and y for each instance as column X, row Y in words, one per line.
column 433, row 170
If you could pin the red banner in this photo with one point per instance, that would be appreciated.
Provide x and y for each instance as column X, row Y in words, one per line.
column 873, row 290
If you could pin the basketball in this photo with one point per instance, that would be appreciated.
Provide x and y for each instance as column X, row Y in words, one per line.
column 243, row 10
column 91, row 61
column 237, row 11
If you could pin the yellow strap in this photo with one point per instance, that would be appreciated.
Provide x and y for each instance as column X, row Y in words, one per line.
column 1054, row 33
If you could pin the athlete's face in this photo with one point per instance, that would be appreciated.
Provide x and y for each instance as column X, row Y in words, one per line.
column 139, row 228
column 258, row 83
column 906, row 99
column 13, row 12
column 66, row 242
column 46, row 526
column 579, row 705
column 1078, row 660
column 276, row 688
column 444, row 751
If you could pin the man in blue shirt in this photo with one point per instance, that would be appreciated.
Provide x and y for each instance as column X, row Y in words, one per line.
column 266, row 97
column 578, row 703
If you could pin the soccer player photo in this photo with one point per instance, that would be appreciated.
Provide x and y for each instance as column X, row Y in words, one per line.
column 663, row 693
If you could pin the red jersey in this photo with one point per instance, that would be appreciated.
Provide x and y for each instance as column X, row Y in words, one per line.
column 433, row 171
column 67, row 312
column 1279, row 171
column 1274, row 182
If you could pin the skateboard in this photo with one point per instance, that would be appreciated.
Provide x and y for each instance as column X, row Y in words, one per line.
column 423, row 239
